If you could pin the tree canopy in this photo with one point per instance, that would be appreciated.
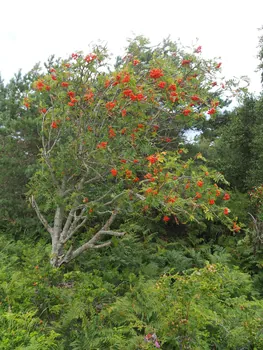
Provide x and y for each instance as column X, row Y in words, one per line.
column 110, row 144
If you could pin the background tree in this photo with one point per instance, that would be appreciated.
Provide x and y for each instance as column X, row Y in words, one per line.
column 235, row 146
column 260, row 55
column 19, row 145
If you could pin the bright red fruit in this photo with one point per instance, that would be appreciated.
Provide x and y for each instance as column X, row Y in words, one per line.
column 162, row 84
column 226, row 197
column 114, row 172
column 226, row 211
column 102, row 145
column 54, row 125
column 156, row 73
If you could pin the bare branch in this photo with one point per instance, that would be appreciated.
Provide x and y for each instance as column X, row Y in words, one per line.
column 87, row 246
column 70, row 228
column 116, row 197
column 253, row 218
column 66, row 258
column 68, row 222
column 102, row 245
column 72, row 212
column 40, row 216
column 257, row 227
column 91, row 244
column 104, row 212
column 112, row 233
column 74, row 230
column 110, row 220
column 142, row 198
column 55, row 142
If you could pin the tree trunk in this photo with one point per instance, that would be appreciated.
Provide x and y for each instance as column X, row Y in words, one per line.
column 57, row 246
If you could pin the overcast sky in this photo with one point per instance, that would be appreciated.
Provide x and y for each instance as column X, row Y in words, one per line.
column 32, row 30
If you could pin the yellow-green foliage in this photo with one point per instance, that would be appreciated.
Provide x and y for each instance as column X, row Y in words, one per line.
column 110, row 306
column 208, row 308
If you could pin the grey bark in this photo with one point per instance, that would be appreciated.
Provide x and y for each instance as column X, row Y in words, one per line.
column 66, row 226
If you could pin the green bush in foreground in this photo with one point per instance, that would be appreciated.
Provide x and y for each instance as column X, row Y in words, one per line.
column 213, row 307
column 209, row 308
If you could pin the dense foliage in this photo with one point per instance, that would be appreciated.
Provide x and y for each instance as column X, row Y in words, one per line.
column 19, row 144
column 109, row 146
column 94, row 156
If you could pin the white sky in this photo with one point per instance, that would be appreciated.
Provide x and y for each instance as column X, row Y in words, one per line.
column 32, row 30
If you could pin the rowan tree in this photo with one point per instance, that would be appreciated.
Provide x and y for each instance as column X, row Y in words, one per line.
column 108, row 145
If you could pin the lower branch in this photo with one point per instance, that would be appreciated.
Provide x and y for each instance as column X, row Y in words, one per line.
column 40, row 216
column 112, row 233
column 93, row 242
